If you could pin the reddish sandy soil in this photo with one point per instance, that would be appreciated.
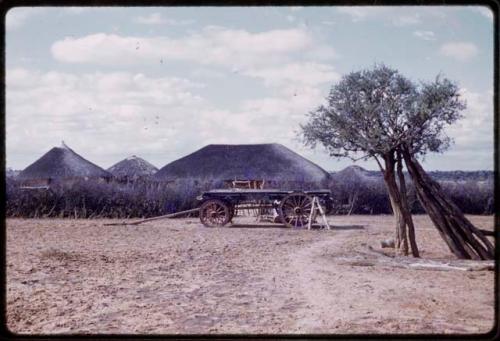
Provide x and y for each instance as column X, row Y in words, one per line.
column 176, row 276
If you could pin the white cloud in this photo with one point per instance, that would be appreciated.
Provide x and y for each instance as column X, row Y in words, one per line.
column 474, row 132
column 77, row 10
column 359, row 13
column 294, row 103
column 356, row 13
column 425, row 35
column 328, row 22
column 213, row 45
column 108, row 116
column 406, row 20
column 157, row 19
column 180, row 22
column 322, row 52
column 152, row 19
column 461, row 51
column 17, row 16
column 203, row 72
column 261, row 120
column 112, row 113
column 308, row 73
column 396, row 17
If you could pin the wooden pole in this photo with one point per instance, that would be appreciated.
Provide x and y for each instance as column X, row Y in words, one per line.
column 311, row 214
column 464, row 239
column 167, row 216
column 317, row 206
column 323, row 215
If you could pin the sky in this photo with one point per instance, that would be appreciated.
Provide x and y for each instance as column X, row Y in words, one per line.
column 162, row 82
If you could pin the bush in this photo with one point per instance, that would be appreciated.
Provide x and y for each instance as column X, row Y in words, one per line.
column 146, row 198
column 88, row 199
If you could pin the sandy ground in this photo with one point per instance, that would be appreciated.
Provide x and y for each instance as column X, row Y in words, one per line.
column 176, row 276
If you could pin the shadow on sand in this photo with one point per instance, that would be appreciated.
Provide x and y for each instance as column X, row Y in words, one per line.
column 347, row 227
column 257, row 226
column 281, row 226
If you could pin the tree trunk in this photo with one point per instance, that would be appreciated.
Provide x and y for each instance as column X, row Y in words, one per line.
column 463, row 239
column 405, row 210
column 401, row 240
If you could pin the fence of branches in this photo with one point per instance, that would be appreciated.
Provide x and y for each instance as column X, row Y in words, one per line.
column 87, row 199
column 371, row 197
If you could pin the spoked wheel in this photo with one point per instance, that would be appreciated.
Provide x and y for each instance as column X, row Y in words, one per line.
column 295, row 210
column 215, row 213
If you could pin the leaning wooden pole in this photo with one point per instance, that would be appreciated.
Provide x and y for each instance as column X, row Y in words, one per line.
column 401, row 242
column 404, row 207
column 167, row 216
column 464, row 239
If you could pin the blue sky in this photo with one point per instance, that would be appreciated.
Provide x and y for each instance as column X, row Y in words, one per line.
column 161, row 82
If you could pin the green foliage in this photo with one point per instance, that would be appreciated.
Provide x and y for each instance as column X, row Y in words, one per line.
column 373, row 112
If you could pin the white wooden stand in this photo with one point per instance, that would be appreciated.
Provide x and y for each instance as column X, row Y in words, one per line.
column 316, row 206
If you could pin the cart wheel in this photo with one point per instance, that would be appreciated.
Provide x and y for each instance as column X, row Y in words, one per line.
column 214, row 213
column 295, row 210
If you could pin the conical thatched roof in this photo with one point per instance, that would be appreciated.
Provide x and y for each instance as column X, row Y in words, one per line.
column 11, row 173
column 270, row 162
column 132, row 166
column 62, row 162
column 356, row 173
column 356, row 176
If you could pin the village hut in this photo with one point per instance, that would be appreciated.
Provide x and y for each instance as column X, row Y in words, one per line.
column 11, row 173
column 61, row 164
column 257, row 165
column 132, row 168
column 352, row 185
column 356, row 174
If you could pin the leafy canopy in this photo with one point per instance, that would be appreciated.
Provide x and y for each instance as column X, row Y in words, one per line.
column 376, row 111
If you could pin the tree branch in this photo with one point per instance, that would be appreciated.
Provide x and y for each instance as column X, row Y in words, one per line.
column 378, row 162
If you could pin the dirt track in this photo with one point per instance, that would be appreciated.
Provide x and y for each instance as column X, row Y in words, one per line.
column 175, row 276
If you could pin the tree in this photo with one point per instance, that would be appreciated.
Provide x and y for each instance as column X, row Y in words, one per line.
column 363, row 118
column 380, row 114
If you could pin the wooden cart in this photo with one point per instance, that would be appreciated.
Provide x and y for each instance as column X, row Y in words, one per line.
column 294, row 208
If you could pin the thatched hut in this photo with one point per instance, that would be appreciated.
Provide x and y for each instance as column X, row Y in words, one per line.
column 11, row 173
column 266, row 165
column 132, row 168
column 356, row 174
column 61, row 164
